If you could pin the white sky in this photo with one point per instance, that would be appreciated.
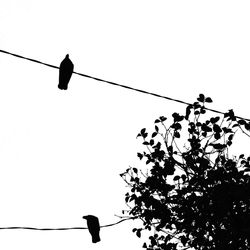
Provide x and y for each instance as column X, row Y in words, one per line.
column 61, row 152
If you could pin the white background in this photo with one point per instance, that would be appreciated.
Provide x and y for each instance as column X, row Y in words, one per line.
column 61, row 152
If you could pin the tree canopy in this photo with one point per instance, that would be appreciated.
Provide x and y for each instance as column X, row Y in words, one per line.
column 191, row 193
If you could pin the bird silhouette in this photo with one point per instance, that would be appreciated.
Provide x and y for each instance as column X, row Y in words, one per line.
column 65, row 72
column 93, row 226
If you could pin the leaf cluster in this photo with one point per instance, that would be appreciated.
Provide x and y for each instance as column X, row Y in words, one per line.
column 192, row 193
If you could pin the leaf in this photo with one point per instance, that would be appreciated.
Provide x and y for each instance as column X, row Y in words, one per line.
column 214, row 119
column 230, row 137
column 204, row 134
column 138, row 233
column 205, row 128
column 156, row 129
column 184, row 177
column 188, row 111
column 176, row 178
column 163, row 118
column 178, row 126
column 135, row 170
column 177, row 134
column 157, row 146
column 177, row 117
column 217, row 136
column 170, row 149
column 203, row 111
column 132, row 197
column 140, row 155
column 241, row 122
column 227, row 130
column 196, row 105
column 157, row 121
column 137, row 180
column 201, row 98
column 138, row 135
column 218, row 146
column 154, row 134
column 144, row 245
column 216, row 128
column 247, row 126
column 235, row 125
column 153, row 241
column 208, row 100
column 230, row 115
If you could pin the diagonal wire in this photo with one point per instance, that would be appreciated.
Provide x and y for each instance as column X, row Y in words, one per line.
column 117, row 84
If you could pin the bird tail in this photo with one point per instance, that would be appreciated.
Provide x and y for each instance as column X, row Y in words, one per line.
column 62, row 87
column 96, row 239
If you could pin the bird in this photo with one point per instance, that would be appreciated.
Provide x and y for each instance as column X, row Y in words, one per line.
column 94, row 227
column 65, row 72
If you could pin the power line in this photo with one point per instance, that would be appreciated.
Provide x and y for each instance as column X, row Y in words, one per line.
column 43, row 229
column 117, row 84
column 63, row 228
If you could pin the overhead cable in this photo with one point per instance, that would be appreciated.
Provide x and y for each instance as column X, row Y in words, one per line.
column 117, row 84
column 63, row 228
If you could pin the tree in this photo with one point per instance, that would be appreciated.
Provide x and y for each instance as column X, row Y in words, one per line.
column 191, row 193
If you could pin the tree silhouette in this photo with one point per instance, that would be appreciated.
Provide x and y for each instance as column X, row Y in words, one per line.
column 191, row 193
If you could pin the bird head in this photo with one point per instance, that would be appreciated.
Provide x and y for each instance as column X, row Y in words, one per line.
column 86, row 217
column 89, row 217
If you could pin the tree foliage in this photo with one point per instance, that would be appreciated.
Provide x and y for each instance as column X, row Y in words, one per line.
column 190, row 193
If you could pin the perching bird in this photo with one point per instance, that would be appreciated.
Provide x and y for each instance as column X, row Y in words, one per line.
column 93, row 226
column 65, row 72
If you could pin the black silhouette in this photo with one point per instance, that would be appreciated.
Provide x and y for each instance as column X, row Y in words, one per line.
column 65, row 72
column 197, row 192
column 93, row 226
